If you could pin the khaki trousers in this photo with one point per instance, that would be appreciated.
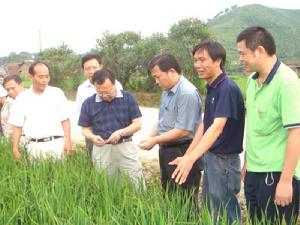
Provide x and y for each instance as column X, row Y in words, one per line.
column 122, row 157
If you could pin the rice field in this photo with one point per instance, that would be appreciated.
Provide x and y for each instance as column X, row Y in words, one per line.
column 72, row 192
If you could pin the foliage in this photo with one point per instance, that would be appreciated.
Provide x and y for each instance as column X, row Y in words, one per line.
column 14, row 57
column 282, row 23
column 183, row 36
column 64, row 66
column 70, row 191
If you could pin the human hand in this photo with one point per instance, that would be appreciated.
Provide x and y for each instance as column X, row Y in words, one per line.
column 147, row 144
column 16, row 154
column 114, row 138
column 98, row 141
column 283, row 193
column 184, row 166
column 68, row 147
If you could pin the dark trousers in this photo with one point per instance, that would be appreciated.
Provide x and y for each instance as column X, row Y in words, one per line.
column 260, row 191
column 89, row 147
column 169, row 152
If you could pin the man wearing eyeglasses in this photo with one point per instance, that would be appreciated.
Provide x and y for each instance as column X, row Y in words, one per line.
column 109, row 119
column 90, row 63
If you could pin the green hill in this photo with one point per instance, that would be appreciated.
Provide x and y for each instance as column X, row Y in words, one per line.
column 284, row 24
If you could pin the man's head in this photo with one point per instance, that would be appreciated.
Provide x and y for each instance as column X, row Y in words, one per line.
column 90, row 63
column 254, row 45
column 104, row 82
column 209, row 59
column 39, row 75
column 13, row 85
column 165, row 69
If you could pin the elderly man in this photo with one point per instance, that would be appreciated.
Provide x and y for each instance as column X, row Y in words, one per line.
column 14, row 86
column 109, row 118
column 42, row 113
column 90, row 63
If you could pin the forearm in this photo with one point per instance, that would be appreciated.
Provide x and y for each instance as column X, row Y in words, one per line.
column 172, row 135
column 67, row 129
column 208, row 138
column 87, row 133
column 132, row 128
column 292, row 154
column 196, row 139
column 17, row 132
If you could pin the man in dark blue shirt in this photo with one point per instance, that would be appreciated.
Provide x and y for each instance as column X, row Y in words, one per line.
column 219, row 139
column 109, row 118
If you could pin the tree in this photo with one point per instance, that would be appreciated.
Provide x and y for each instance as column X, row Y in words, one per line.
column 183, row 36
column 118, row 54
column 64, row 66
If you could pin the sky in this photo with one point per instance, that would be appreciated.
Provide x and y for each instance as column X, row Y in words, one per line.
column 31, row 25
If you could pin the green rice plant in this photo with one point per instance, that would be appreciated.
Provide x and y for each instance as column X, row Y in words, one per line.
column 71, row 191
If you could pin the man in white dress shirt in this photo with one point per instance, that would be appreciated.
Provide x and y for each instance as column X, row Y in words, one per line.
column 90, row 63
column 43, row 114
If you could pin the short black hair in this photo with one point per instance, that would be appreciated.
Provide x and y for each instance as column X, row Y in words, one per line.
column 14, row 77
column 258, row 36
column 100, row 76
column 164, row 62
column 33, row 65
column 88, row 57
column 214, row 49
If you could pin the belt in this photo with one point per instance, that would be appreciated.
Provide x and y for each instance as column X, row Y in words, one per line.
column 51, row 138
column 174, row 144
column 122, row 140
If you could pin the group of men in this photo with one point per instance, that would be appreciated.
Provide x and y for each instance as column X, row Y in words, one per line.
column 109, row 116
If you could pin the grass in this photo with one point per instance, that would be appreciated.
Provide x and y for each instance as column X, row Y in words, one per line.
column 72, row 192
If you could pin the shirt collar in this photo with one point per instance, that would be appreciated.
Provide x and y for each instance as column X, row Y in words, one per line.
column 175, row 87
column 88, row 83
column 271, row 74
column 118, row 95
column 223, row 76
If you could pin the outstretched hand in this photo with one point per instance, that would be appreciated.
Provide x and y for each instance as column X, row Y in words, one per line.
column 184, row 166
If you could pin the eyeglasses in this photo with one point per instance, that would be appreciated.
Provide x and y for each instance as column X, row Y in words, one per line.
column 91, row 68
column 109, row 93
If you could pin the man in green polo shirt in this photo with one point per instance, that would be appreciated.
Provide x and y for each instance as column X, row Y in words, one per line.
column 273, row 129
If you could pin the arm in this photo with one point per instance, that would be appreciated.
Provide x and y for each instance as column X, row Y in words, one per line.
column 127, row 131
column 17, row 132
column 67, row 131
column 210, row 136
column 87, row 133
column 197, row 138
column 284, row 189
column 171, row 135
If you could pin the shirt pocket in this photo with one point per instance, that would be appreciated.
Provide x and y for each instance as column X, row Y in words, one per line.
column 169, row 119
column 265, row 121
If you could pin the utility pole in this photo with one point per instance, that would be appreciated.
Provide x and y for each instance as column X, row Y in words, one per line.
column 40, row 40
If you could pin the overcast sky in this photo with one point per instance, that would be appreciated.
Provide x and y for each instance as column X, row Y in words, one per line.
column 80, row 23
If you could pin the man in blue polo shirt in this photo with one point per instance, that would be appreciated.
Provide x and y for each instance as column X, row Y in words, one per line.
column 273, row 130
column 109, row 118
column 219, row 138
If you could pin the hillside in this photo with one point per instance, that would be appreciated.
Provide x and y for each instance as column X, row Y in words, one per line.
column 284, row 24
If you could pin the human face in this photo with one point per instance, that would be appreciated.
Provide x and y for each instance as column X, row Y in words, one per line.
column 162, row 79
column 106, row 91
column 248, row 58
column 90, row 67
column 13, row 89
column 206, row 68
column 40, row 79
